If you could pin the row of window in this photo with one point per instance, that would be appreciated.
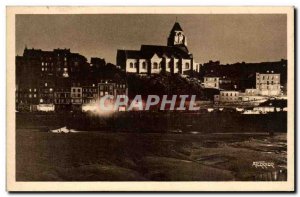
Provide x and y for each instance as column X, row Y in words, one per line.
column 89, row 90
column 268, row 77
column 75, row 95
column 211, row 79
column 229, row 94
column 89, row 101
column 156, row 65
column 268, row 83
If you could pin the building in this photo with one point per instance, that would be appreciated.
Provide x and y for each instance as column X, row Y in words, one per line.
column 76, row 97
column 154, row 59
column 268, row 84
column 38, row 73
column 62, row 95
column 89, row 94
column 228, row 96
column 211, row 81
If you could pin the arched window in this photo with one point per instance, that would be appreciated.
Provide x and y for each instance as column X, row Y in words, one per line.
column 131, row 65
column 155, row 65
column 187, row 65
column 144, row 65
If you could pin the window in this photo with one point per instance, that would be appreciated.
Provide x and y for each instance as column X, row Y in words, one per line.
column 34, row 90
column 34, row 95
column 46, row 84
column 131, row 65
column 78, row 90
column 187, row 65
column 42, row 68
column 144, row 65
column 155, row 65
column 177, row 64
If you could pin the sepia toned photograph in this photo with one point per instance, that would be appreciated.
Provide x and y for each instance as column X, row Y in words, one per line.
column 150, row 99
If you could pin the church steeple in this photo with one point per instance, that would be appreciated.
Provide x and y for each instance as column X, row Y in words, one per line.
column 177, row 37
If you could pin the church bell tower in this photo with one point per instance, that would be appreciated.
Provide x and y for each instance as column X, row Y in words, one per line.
column 177, row 37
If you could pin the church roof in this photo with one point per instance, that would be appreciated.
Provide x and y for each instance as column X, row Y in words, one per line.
column 148, row 51
column 163, row 51
column 176, row 27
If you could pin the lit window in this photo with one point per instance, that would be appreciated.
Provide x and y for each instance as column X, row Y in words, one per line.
column 34, row 95
column 46, row 84
column 34, row 90
column 51, row 89
column 42, row 69
column 30, row 90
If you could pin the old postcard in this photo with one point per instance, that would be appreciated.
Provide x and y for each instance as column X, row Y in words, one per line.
column 150, row 99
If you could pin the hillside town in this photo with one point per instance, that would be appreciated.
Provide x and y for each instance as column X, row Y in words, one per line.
column 61, row 80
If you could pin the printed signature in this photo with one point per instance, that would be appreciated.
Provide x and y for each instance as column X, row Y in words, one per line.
column 263, row 164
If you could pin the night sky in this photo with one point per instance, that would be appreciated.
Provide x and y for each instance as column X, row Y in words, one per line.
column 228, row 38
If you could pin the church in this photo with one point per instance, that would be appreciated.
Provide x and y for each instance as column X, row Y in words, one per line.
column 154, row 59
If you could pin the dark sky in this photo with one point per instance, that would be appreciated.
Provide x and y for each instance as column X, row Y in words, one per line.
column 228, row 38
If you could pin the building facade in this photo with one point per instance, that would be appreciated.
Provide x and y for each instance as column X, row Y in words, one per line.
column 211, row 82
column 268, row 84
column 229, row 96
column 154, row 59
column 60, row 80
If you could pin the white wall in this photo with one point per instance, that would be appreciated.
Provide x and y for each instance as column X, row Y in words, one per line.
column 155, row 59
column 128, row 68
